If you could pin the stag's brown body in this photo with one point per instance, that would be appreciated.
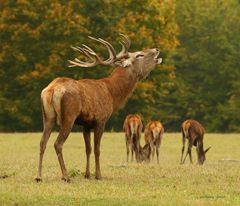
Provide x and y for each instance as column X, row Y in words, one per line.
column 132, row 127
column 89, row 102
column 194, row 132
column 153, row 135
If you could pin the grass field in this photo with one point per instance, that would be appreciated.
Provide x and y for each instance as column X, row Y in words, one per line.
column 215, row 183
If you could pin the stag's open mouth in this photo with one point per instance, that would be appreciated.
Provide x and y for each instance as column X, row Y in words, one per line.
column 158, row 60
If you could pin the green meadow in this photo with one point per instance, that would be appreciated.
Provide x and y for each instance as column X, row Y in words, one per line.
column 217, row 182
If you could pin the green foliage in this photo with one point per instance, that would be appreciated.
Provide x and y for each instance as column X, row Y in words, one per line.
column 207, row 61
column 36, row 38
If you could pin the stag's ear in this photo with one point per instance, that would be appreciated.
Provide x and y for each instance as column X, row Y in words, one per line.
column 207, row 150
column 124, row 63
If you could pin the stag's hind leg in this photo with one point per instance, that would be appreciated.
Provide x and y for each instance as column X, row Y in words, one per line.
column 87, row 139
column 98, row 131
column 65, row 129
column 48, row 124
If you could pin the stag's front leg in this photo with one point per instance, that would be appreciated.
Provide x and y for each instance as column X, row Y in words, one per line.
column 98, row 131
column 88, row 148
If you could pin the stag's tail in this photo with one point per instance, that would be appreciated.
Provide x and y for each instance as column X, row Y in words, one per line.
column 47, row 107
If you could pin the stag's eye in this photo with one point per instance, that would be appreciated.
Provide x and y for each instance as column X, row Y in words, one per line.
column 139, row 56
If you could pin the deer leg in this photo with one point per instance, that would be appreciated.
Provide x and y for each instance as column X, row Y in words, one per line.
column 157, row 152
column 158, row 143
column 87, row 139
column 48, row 125
column 132, row 151
column 127, row 147
column 98, row 131
column 153, row 152
column 189, row 152
column 62, row 136
column 183, row 148
column 152, row 149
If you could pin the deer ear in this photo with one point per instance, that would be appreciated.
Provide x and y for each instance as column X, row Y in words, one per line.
column 207, row 150
column 126, row 63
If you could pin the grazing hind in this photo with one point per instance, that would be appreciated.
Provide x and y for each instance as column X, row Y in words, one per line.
column 153, row 135
column 90, row 102
column 194, row 132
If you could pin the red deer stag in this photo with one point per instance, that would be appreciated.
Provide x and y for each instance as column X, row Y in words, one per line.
column 153, row 135
column 194, row 132
column 90, row 102
column 133, row 128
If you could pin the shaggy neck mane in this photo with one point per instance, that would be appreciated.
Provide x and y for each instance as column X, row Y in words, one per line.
column 121, row 85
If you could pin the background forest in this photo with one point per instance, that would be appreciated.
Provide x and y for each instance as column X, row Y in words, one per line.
column 199, row 42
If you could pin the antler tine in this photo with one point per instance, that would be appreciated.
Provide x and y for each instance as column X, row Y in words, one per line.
column 123, row 50
column 95, row 59
column 88, row 52
column 125, row 43
column 111, row 50
column 83, row 64
column 109, row 46
column 126, row 40
column 82, row 51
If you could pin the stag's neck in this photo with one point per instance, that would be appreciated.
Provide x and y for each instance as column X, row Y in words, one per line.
column 121, row 85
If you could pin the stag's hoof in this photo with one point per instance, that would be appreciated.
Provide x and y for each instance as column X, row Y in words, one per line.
column 38, row 179
column 66, row 179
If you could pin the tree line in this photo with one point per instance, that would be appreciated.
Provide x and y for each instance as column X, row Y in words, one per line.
column 199, row 42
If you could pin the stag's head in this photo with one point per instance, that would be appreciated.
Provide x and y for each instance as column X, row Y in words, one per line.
column 138, row 64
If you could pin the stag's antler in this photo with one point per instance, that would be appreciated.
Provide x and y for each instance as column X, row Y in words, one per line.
column 95, row 59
